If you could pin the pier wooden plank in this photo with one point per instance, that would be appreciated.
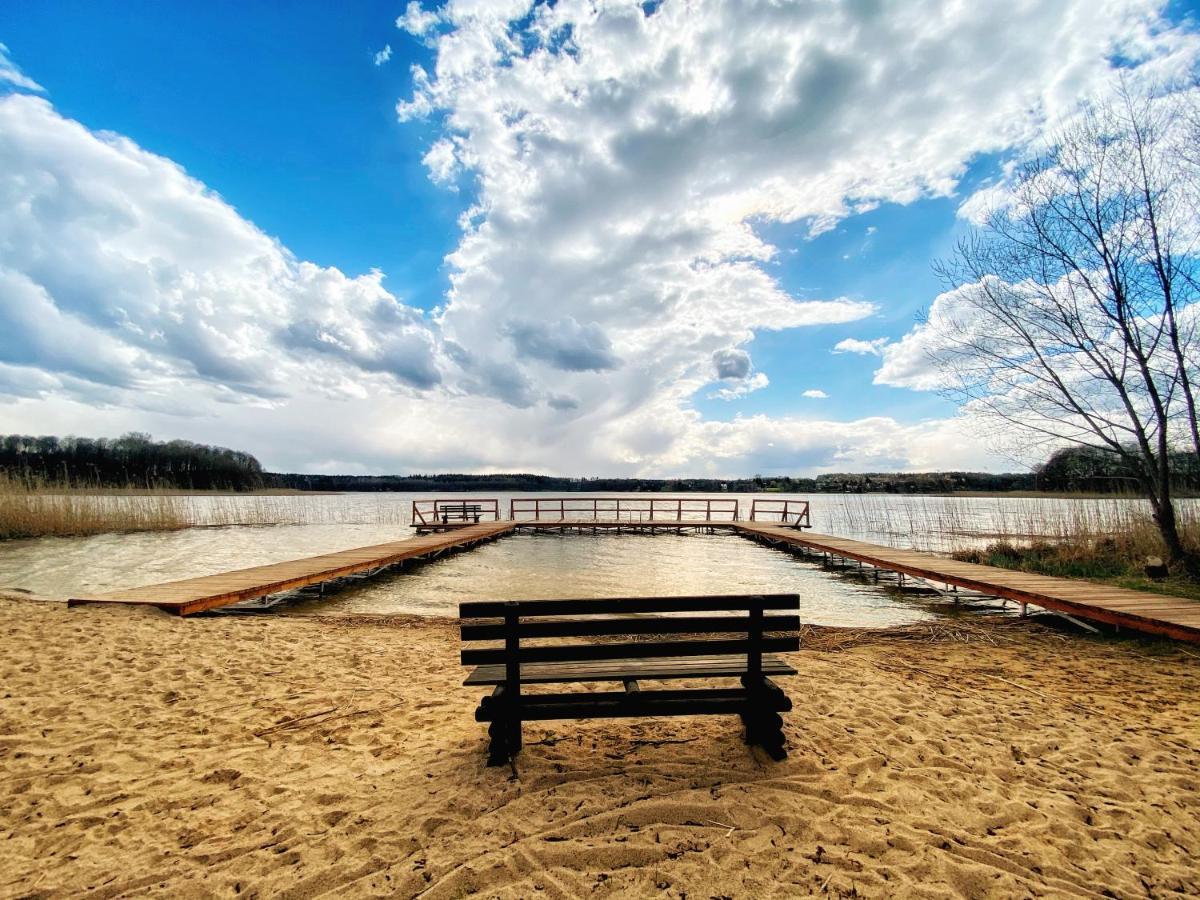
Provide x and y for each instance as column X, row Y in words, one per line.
column 1140, row 611
column 192, row 595
column 1175, row 617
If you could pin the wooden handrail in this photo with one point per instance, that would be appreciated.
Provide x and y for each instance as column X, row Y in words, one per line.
column 781, row 510
column 652, row 508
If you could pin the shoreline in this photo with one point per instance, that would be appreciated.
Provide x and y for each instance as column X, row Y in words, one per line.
column 149, row 754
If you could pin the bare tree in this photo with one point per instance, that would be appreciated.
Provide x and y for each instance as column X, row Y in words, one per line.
column 1074, row 311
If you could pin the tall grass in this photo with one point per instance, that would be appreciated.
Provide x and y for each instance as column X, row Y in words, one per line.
column 958, row 523
column 1107, row 539
column 32, row 508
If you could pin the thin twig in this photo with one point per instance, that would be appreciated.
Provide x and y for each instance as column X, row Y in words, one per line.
column 288, row 722
column 300, row 723
column 1036, row 693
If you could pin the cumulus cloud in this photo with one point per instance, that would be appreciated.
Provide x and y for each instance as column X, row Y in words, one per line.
column 815, row 394
column 564, row 344
column 854, row 345
column 131, row 282
column 742, row 387
column 911, row 362
column 622, row 156
column 12, row 77
column 442, row 162
column 733, row 366
column 731, row 363
column 618, row 164
column 417, row 21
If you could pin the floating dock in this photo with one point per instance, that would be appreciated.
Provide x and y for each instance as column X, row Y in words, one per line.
column 446, row 526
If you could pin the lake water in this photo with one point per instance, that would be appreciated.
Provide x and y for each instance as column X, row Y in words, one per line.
column 542, row 566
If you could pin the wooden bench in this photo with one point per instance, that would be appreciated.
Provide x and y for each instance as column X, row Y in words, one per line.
column 459, row 512
column 680, row 638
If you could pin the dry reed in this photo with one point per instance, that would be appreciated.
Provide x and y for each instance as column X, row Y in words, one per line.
column 29, row 508
column 993, row 630
column 33, row 508
column 956, row 524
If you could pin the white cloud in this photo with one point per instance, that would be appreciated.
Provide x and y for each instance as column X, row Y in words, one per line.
column 441, row 162
column 618, row 165
column 741, row 387
column 129, row 282
column 12, row 77
column 383, row 55
column 619, row 159
column 854, row 345
column 815, row 394
column 417, row 21
column 982, row 203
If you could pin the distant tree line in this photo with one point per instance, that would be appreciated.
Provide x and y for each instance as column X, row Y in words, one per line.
column 135, row 460
column 132, row 460
column 1100, row 470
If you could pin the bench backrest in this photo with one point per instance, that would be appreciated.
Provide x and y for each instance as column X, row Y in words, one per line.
column 749, row 625
column 459, row 510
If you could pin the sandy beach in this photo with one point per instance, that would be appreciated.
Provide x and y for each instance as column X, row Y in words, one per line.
column 142, row 754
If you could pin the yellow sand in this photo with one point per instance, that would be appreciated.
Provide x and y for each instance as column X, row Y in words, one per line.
column 146, row 755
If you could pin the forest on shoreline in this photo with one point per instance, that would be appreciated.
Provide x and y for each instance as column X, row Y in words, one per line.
column 137, row 461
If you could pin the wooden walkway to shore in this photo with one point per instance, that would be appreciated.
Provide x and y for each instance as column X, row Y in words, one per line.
column 1175, row 617
column 193, row 595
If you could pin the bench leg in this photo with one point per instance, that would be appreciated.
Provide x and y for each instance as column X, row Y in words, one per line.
column 498, row 750
column 506, row 741
column 764, row 726
column 505, row 730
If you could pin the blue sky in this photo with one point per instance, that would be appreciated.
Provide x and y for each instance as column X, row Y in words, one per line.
column 639, row 218
column 277, row 107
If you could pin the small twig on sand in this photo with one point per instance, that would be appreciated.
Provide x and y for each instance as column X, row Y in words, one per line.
column 647, row 742
column 1080, row 706
column 306, row 721
column 289, row 722
column 732, row 828
column 893, row 667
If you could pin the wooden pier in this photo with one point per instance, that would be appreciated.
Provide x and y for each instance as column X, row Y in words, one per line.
column 445, row 526
column 193, row 595
column 1175, row 617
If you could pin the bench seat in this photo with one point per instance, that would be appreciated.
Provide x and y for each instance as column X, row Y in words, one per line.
column 623, row 704
column 659, row 669
column 651, row 639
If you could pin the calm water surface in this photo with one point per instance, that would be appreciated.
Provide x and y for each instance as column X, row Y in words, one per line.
column 541, row 566
column 546, row 566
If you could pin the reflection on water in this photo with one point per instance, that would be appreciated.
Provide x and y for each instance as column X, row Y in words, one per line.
column 547, row 566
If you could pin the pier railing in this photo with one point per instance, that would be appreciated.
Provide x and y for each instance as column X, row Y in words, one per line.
column 443, row 511
column 624, row 509
column 789, row 512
